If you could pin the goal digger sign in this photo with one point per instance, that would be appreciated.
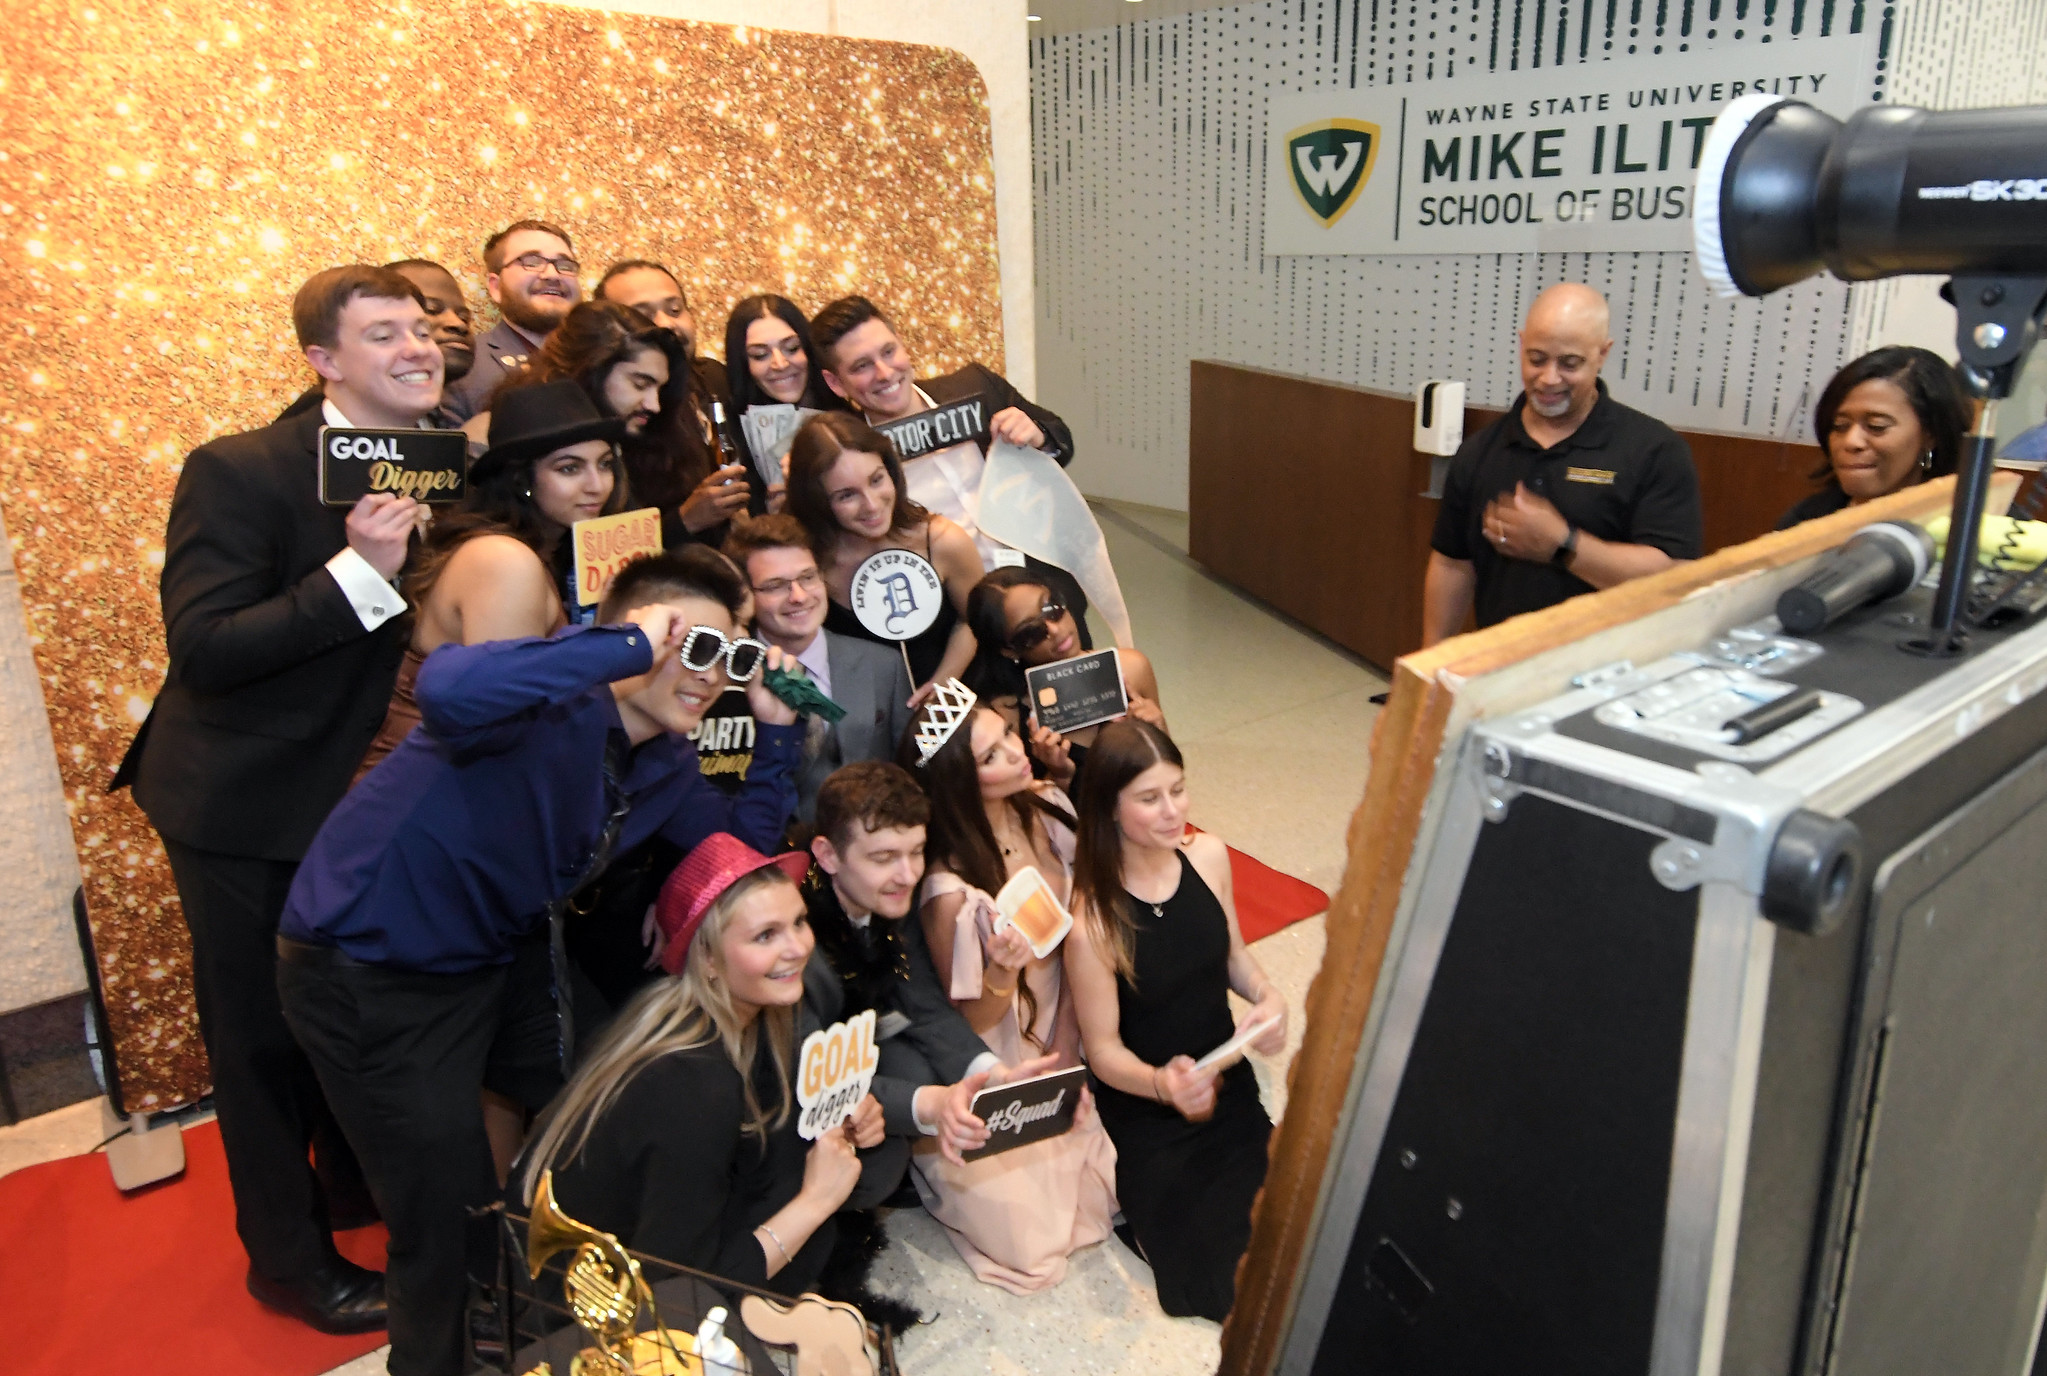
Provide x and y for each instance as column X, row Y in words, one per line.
column 833, row 1072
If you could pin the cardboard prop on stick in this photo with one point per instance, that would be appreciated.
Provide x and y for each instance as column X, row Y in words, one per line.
column 1078, row 692
column 833, row 1072
column 1028, row 503
column 1028, row 1111
column 425, row 465
column 1028, row 904
column 606, row 544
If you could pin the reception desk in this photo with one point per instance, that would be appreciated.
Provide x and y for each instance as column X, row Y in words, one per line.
column 1309, row 496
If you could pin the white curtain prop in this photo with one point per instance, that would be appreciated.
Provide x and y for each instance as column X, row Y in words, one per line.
column 1029, row 504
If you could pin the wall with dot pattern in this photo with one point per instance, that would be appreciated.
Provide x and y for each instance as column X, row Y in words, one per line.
column 1149, row 145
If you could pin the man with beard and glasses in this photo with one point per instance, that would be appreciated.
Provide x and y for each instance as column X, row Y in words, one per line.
column 657, row 293
column 1568, row 492
column 440, row 295
column 531, row 273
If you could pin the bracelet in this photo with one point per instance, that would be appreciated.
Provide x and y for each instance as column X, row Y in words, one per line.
column 764, row 1228
column 988, row 988
column 1155, row 1085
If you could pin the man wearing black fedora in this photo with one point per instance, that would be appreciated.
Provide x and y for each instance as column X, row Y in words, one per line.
column 285, row 634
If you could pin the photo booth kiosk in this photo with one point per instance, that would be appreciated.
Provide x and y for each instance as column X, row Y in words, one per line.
column 1700, row 1049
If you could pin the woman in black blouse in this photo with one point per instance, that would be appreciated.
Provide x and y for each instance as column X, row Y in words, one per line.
column 1889, row 419
column 678, row 1135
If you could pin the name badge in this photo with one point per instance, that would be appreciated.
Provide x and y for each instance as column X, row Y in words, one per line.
column 606, row 544
column 1602, row 476
column 426, row 465
column 1027, row 1111
column 1078, row 692
column 956, row 422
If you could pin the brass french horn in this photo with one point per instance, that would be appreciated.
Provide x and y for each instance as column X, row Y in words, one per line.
column 604, row 1290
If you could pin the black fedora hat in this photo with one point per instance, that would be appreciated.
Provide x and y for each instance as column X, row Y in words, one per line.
column 527, row 422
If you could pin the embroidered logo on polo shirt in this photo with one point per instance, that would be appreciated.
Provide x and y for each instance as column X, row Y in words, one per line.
column 1601, row 476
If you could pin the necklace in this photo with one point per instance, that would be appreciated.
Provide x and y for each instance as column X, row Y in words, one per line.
column 1158, row 910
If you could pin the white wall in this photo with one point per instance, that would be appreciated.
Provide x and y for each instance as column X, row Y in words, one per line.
column 992, row 35
column 1149, row 156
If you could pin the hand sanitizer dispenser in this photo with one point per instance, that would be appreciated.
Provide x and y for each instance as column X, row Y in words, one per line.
column 1438, row 427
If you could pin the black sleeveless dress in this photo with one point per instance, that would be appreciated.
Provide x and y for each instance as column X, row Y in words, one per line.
column 1186, row 1188
column 927, row 650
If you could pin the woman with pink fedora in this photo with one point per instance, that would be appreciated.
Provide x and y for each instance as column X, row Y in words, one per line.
column 678, row 1133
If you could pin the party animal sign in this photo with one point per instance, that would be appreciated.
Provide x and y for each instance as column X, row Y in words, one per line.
column 833, row 1072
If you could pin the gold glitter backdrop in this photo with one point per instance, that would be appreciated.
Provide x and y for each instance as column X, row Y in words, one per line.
column 171, row 171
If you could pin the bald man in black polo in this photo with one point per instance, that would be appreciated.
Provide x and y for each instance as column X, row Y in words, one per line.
column 1569, row 492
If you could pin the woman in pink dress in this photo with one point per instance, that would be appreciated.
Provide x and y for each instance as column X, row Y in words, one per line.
column 1017, row 1216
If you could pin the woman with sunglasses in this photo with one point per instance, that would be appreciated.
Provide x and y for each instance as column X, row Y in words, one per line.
column 1153, row 956
column 726, row 1186
column 846, row 486
column 770, row 362
column 1016, row 1217
column 1020, row 623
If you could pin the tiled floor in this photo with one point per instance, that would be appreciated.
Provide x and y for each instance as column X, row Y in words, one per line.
column 1274, row 724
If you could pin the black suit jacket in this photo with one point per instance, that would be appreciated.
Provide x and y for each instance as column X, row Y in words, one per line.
column 1001, row 396
column 274, row 689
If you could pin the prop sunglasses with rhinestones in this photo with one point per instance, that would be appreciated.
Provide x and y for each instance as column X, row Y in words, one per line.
column 706, row 645
column 1032, row 633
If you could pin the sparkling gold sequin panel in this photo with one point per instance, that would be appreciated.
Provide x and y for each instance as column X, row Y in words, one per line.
column 170, row 172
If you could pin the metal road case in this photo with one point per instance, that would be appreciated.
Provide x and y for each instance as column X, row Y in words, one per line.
column 1705, row 1050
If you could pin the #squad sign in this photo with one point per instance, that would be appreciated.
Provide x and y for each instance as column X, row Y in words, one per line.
column 1590, row 158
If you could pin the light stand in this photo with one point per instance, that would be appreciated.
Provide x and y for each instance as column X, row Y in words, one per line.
column 1997, row 322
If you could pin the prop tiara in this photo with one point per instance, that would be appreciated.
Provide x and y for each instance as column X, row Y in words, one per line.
column 952, row 702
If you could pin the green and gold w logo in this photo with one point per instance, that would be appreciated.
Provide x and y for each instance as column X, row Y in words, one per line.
column 1331, row 160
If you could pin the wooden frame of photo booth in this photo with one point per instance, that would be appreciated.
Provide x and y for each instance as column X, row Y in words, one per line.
column 1437, row 694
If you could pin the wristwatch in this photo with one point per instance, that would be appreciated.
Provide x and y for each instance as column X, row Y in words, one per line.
column 1568, row 546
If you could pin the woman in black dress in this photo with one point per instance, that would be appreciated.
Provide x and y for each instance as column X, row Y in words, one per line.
column 677, row 1135
column 846, row 485
column 1151, row 960
column 1889, row 419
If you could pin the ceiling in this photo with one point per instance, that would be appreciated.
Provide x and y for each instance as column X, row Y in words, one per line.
column 1067, row 16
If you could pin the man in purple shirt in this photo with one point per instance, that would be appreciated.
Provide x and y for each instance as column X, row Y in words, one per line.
column 414, row 954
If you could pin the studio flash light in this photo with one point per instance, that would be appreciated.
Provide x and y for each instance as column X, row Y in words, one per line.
column 1787, row 191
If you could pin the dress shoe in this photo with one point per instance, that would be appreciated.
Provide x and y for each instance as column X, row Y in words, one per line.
column 340, row 1297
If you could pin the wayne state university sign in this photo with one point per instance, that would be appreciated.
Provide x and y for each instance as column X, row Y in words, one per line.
column 1587, row 158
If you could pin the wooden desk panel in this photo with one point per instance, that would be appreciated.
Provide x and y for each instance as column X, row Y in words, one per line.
column 1307, row 495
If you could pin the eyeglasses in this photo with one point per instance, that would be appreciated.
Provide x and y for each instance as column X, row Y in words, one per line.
column 704, row 646
column 808, row 580
column 540, row 262
column 1030, row 634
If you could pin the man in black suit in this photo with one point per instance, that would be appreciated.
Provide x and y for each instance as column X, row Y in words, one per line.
column 866, row 363
column 531, row 273
column 285, row 636
column 871, row 954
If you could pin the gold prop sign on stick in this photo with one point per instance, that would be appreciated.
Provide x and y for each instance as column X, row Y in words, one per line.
column 171, row 170
column 606, row 544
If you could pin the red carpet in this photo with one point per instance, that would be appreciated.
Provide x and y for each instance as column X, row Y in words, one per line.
column 149, row 1283
column 1268, row 900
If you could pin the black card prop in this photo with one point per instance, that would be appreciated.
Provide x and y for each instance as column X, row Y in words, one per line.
column 1078, row 692
column 1027, row 1111
column 426, row 465
column 939, row 428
